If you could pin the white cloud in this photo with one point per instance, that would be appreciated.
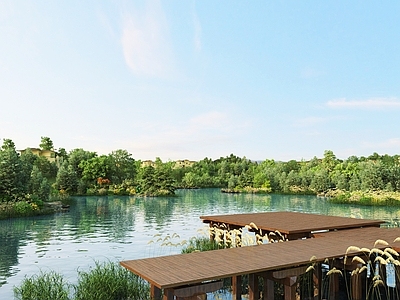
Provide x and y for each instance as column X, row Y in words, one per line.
column 146, row 43
column 213, row 131
column 373, row 103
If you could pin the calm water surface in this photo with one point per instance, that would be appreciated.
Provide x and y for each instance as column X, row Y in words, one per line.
column 120, row 228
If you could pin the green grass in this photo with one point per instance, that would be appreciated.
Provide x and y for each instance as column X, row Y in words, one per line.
column 47, row 286
column 370, row 198
column 104, row 281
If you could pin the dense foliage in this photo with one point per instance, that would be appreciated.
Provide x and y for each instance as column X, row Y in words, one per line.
column 32, row 179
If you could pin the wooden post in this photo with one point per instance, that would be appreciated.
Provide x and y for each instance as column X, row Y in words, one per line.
column 168, row 294
column 268, row 290
column 237, row 287
column 290, row 288
column 253, row 287
column 155, row 292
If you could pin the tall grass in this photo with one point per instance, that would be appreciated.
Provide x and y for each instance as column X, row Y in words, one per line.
column 104, row 281
column 43, row 286
column 109, row 281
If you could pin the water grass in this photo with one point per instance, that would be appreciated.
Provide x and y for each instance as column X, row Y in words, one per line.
column 104, row 281
column 108, row 281
column 50, row 285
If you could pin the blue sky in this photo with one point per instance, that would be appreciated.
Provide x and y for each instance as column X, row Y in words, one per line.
column 192, row 79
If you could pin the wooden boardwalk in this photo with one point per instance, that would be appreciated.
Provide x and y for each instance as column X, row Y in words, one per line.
column 184, row 274
column 292, row 225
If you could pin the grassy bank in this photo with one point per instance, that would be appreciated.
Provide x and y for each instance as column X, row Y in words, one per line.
column 373, row 198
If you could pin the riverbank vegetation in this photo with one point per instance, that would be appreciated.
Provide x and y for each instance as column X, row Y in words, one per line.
column 102, row 282
column 28, row 181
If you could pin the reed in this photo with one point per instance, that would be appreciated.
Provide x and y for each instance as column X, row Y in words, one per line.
column 374, row 267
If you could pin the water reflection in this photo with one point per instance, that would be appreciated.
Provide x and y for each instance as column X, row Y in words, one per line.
column 116, row 228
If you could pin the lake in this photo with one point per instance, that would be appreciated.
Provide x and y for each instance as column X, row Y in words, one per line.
column 122, row 227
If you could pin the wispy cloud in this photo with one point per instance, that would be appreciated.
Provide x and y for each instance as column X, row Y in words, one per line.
column 212, row 130
column 145, row 41
column 393, row 143
column 373, row 103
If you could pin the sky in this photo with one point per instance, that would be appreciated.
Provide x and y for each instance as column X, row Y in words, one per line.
column 193, row 79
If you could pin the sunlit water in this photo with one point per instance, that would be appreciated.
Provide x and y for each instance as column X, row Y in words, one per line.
column 120, row 228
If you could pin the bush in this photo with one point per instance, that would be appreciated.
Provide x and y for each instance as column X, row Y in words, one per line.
column 23, row 208
column 43, row 286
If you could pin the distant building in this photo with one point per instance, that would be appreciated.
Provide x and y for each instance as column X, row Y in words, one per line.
column 178, row 163
column 49, row 154
column 148, row 163
column 183, row 163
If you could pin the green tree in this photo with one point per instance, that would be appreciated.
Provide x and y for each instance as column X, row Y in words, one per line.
column 10, row 172
column 76, row 156
column 8, row 144
column 123, row 166
column 46, row 143
column 67, row 179
column 95, row 168
column 38, row 185
column 27, row 160
column 47, row 168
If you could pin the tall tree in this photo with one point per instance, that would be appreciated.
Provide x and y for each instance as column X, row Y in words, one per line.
column 10, row 172
column 46, row 143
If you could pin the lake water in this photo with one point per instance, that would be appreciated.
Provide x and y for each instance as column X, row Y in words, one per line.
column 121, row 228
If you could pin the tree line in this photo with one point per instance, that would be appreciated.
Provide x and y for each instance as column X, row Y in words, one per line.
column 25, row 176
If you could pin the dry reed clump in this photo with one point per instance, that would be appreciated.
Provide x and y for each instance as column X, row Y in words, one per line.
column 374, row 262
column 220, row 237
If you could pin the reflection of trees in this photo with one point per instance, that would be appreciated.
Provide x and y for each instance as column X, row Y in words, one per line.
column 11, row 232
column 158, row 209
column 109, row 217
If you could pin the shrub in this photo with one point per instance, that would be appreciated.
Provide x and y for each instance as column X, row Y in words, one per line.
column 23, row 208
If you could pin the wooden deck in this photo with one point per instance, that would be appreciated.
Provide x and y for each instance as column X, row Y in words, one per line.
column 183, row 275
column 292, row 225
column 170, row 272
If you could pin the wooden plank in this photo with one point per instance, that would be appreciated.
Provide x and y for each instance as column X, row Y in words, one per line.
column 289, row 272
column 291, row 223
column 198, row 289
column 213, row 265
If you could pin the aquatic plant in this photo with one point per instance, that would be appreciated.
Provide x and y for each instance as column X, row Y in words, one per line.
column 50, row 285
column 104, row 281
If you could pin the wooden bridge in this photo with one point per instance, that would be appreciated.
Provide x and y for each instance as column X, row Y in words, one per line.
column 183, row 276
